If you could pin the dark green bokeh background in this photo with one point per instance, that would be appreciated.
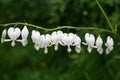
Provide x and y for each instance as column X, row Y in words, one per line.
column 25, row 63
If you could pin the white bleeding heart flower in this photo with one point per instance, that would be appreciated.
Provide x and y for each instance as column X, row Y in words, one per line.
column 13, row 34
column 99, row 43
column 24, row 35
column 36, row 39
column 68, row 40
column 77, row 44
column 56, row 38
column 109, row 44
column 90, row 40
column 45, row 42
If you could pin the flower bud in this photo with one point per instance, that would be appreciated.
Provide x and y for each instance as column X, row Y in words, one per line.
column 3, row 35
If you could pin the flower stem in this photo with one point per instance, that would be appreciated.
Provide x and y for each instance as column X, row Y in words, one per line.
column 60, row 27
column 106, row 17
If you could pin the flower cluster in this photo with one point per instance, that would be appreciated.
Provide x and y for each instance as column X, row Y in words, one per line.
column 14, row 34
column 56, row 38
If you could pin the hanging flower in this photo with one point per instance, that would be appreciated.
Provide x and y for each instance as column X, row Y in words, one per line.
column 109, row 44
column 24, row 35
column 77, row 44
column 56, row 38
column 36, row 39
column 3, row 35
column 99, row 43
column 45, row 41
column 13, row 34
column 90, row 40
column 68, row 40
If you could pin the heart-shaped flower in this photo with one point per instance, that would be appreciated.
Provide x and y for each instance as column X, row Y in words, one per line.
column 90, row 40
column 77, row 43
column 56, row 38
column 109, row 44
column 24, row 35
column 13, row 34
column 45, row 42
column 68, row 40
column 36, row 39
column 99, row 43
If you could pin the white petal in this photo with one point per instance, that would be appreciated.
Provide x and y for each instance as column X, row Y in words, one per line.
column 37, row 46
column 110, row 41
column 99, row 42
column 35, row 36
column 77, row 40
column 24, row 32
column 108, row 50
column 13, row 33
column 24, row 42
column 78, row 48
column 59, row 35
column 100, row 50
column 13, row 43
column 56, row 47
column 54, row 38
column 69, row 49
column 109, row 44
column 89, row 49
column 45, row 50
column 87, row 38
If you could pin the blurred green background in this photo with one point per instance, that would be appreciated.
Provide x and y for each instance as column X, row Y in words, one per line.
column 25, row 63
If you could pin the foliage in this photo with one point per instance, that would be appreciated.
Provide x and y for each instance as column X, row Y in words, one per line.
column 24, row 63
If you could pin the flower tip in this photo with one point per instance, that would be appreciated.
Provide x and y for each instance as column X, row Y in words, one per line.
column 78, row 50
column 100, row 51
column 56, row 48
column 24, row 43
column 69, row 50
column 46, row 51
column 13, row 43
column 89, row 49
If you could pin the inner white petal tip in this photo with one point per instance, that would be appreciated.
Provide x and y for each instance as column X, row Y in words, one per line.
column 45, row 50
column 89, row 49
column 78, row 50
column 13, row 43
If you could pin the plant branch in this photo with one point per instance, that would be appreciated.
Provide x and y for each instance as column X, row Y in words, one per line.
column 106, row 17
column 60, row 27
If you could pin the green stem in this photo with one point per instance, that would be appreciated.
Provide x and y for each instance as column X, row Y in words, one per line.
column 20, row 23
column 60, row 27
column 108, row 21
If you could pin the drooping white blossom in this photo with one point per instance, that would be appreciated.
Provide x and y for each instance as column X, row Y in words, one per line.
column 99, row 43
column 109, row 44
column 68, row 40
column 24, row 35
column 45, row 42
column 13, row 34
column 77, row 44
column 56, row 38
column 36, row 39
column 90, row 40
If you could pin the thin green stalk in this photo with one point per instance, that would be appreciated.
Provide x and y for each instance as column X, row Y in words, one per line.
column 106, row 17
column 20, row 23
column 59, row 27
